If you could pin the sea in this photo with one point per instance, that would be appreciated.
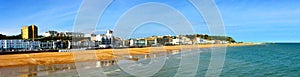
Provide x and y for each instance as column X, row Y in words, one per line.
column 265, row 60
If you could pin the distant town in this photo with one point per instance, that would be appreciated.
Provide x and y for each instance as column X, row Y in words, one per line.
column 29, row 40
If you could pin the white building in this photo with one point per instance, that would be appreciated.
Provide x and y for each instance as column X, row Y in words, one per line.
column 47, row 45
column 71, row 34
column 210, row 41
column 125, row 43
column 176, row 41
column 181, row 40
column 187, row 40
column 15, row 44
column 132, row 42
column 220, row 42
column 19, row 44
column 201, row 41
column 106, row 40
column 51, row 34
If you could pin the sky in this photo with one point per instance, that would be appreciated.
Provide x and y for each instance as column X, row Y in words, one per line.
column 244, row 20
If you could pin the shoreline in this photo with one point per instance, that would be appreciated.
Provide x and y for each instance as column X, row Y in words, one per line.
column 48, row 58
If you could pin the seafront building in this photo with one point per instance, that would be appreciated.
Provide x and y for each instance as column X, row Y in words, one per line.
column 140, row 42
column 63, row 34
column 54, row 40
column 201, row 41
column 71, row 34
column 51, row 34
column 15, row 44
column 177, row 41
column 25, row 45
column 131, row 42
column 19, row 44
column 105, row 40
column 29, row 32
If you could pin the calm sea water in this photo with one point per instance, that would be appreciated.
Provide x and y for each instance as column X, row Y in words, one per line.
column 268, row 60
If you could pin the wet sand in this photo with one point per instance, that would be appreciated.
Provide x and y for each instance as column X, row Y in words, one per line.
column 48, row 58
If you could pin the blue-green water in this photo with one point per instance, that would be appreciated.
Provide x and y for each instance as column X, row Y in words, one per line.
column 268, row 60
column 272, row 60
column 263, row 60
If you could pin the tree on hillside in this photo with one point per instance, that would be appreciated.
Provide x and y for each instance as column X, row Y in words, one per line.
column 204, row 36
column 19, row 36
column 223, row 38
column 2, row 36
column 230, row 39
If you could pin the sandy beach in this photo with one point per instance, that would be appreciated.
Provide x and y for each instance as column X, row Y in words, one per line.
column 48, row 58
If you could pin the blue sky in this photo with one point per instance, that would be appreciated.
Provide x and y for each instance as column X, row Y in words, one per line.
column 244, row 20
